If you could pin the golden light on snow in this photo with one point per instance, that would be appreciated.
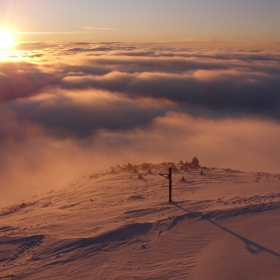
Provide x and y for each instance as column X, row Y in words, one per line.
column 6, row 39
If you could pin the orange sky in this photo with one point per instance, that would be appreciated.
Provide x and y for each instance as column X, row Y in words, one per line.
column 198, row 23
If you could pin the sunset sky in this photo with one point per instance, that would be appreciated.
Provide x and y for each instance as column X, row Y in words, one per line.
column 88, row 84
column 253, row 22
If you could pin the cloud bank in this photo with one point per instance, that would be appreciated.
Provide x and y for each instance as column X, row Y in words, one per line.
column 70, row 109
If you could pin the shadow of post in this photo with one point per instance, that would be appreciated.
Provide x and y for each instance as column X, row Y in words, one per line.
column 251, row 246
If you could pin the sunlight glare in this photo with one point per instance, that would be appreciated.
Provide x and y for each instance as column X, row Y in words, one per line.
column 6, row 39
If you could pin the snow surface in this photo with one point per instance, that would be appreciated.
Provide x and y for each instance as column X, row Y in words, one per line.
column 118, row 224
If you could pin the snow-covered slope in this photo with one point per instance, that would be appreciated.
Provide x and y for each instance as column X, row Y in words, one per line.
column 118, row 224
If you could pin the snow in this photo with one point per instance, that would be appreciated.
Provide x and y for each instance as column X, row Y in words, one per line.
column 224, row 224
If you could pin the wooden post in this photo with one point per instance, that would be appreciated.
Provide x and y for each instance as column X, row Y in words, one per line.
column 169, row 176
column 170, row 184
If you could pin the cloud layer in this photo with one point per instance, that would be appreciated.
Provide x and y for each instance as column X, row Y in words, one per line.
column 66, row 108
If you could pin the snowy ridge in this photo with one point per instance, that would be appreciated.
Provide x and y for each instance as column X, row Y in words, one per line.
column 118, row 225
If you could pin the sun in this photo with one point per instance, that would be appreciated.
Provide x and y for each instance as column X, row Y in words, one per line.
column 6, row 39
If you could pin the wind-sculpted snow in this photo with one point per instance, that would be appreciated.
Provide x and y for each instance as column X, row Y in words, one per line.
column 112, row 225
column 14, row 248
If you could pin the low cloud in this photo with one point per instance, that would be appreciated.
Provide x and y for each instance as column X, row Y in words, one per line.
column 227, row 92
column 77, row 108
column 100, row 28
column 81, row 113
column 49, row 32
column 21, row 80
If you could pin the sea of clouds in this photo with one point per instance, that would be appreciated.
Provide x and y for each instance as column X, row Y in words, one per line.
column 71, row 109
